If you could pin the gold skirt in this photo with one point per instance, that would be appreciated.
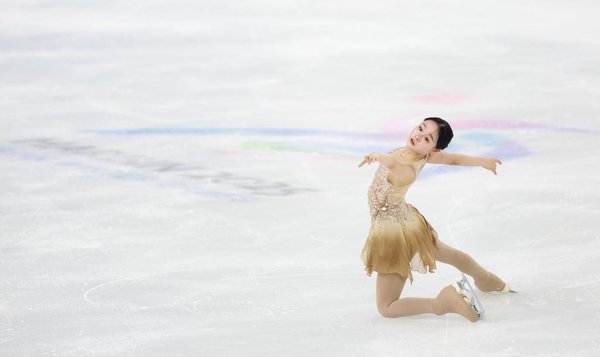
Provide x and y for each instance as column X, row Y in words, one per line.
column 393, row 244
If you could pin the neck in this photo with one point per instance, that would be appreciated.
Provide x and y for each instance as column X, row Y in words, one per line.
column 411, row 155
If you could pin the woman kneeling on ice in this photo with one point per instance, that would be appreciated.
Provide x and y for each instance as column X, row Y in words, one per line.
column 401, row 240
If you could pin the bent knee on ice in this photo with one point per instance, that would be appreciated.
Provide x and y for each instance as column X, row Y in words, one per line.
column 384, row 311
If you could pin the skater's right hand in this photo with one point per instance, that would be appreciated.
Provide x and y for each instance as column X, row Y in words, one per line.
column 368, row 159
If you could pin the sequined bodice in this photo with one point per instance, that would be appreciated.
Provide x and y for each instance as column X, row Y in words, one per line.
column 385, row 200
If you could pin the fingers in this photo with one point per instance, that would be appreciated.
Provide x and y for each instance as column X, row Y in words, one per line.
column 493, row 169
column 365, row 161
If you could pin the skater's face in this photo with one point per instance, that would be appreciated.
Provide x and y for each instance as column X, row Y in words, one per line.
column 423, row 138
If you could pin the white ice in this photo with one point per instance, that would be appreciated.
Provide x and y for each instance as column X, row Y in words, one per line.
column 179, row 178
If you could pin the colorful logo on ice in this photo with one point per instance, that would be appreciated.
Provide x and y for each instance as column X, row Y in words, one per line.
column 499, row 139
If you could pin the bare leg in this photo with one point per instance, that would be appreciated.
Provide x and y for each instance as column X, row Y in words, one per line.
column 389, row 303
column 484, row 280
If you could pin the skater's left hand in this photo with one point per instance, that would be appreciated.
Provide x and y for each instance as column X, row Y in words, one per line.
column 490, row 164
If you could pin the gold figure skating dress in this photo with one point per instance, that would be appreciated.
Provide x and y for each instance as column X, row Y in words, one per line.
column 400, row 239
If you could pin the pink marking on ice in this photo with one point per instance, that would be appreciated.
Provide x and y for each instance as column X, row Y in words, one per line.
column 399, row 126
column 494, row 124
column 405, row 125
column 441, row 99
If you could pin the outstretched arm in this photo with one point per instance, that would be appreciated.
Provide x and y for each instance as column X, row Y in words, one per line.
column 386, row 160
column 488, row 163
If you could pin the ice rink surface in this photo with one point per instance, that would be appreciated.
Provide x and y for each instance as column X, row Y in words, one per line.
column 179, row 178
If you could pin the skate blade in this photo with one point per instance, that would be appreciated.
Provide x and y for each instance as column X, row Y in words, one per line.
column 508, row 290
column 468, row 293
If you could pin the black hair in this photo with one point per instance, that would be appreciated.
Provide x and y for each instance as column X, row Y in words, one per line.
column 445, row 132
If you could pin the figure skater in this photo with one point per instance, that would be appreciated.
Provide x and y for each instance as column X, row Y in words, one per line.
column 402, row 240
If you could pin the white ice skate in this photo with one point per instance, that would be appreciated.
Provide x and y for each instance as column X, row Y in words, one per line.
column 464, row 288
